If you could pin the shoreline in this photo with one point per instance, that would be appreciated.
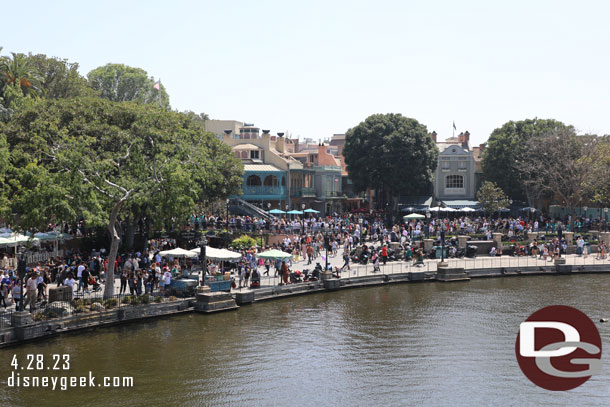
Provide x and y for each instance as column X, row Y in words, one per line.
column 24, row 332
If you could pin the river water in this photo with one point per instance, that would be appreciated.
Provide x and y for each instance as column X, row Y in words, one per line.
column 428, row 344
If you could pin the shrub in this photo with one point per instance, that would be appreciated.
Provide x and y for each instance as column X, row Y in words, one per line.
column 243, row 242
column 80, row 308
column 145, row 299
column 39, row 316
column 52, row 314
column 172, row 298
column 111, row 303
column 158, row 299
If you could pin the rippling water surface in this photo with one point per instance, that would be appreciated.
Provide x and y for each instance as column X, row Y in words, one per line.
column 413, row 344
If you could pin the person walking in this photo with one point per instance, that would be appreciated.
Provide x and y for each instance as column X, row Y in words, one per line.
column 31, row 286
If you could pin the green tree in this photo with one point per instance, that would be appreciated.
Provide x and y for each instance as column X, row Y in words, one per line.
column 504, row 152
column 107, row 159
column 390, row 153
column 59, row 78
column 121, row 83
column 560, row 164
column 19, row 81
column 492, row 198
column 596, row 184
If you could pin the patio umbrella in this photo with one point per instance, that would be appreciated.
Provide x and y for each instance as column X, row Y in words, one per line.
column 448, row 209
column 276, row 211
column 467, row 209
column 274, row 254
column 435, row 209
column 294, row 212
column 414, row 216
column 178, row 252
column 311, row 211
column 218, row 254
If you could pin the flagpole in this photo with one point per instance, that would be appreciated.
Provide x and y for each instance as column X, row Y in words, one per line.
column 453, row 136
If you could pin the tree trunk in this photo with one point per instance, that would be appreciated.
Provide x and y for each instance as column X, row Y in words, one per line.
column 115, row 239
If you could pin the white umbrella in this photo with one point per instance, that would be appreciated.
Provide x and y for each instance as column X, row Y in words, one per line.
column 414, row 216
column 448, row 209
column 178, row 252
column 435, row 209
column 218, row 254
column 15, row 239
column 467, row 209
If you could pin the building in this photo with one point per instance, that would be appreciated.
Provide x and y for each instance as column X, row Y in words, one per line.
column 219, row 127
column 458, row 174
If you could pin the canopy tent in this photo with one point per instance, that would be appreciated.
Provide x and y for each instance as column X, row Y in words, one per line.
column 440, row 209
column 276, row 211
column 218, row 254
column 274, row 254
column 467, row 209
column 414, row 216
column 15, row 239
column 178, row 252
column 294, row 212
column 311, row 211
column 52, row 236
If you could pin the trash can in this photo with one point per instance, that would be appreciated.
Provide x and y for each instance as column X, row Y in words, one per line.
column 471, row 251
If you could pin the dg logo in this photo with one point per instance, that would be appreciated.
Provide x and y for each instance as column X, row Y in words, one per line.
column 559, row 348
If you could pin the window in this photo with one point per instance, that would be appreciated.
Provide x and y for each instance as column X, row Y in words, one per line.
column 462, row 164
column 454, row 181
column 445, row 165
column 254, row 154
column 271, row 181
column 253, row 180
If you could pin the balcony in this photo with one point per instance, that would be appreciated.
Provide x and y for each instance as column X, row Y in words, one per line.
column 263, row 192
column 304, row 192
column 333, row 194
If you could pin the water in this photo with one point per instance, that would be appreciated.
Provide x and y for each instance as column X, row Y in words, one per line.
column 413, row 344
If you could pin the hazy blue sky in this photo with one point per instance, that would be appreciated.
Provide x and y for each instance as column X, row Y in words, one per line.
column 314, row 68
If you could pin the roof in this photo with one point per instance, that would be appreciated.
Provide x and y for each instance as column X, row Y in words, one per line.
column 461, row 203
column 415, row 202
column 261, row 168
column 246, row 147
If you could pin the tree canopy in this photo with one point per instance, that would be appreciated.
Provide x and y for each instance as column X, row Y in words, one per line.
column 121, row 83
column 492, row 198
column 505, row 149
column 95, row 158
column 392, row 153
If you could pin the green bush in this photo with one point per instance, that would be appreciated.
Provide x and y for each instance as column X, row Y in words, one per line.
column 158, row 299
column 79, row 308
column 39, row 316
column 172, row 298
column 111, row 303
column 243, row 242
column 145, row 299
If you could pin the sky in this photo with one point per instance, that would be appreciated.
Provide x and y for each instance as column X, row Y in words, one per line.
column 315, row 68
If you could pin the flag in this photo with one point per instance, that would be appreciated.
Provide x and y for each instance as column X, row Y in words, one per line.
column 454, row 128
column 157, row 86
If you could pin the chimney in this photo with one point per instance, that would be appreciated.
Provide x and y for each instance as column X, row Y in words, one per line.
column 433, row 135
column 322, row 150
column 482, row 147
column 461, row 138
column 228, row 134
column 279, row 143
column 466, row 137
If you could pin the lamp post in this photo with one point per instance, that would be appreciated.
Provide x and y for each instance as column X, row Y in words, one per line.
column 442, row 244
column 227, row 214
column 326, row 244
column 21, row 272
column 202, row 245
column 533, row 211
column 606, row 214
column 302, row 219
column 428, row 214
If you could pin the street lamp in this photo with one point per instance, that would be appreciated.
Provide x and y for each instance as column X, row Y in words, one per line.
column 302, row 219
column 585, row 209
column 227, row 214
column 21, row 272
column 326, row 244
column 442, row 242
column 606, row 214
column 428, row 214
column 202, row 245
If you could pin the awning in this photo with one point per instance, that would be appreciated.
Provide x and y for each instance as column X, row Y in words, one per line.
column 246, row 147
column 461, row 203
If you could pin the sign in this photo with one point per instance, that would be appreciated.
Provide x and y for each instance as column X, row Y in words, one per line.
column 558, row 348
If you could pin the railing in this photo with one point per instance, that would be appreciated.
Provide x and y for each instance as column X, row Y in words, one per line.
column 304, row 192
column 264, row 190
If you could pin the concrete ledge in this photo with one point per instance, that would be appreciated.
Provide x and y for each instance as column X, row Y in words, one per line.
column 332, row 285
column 246, row 297
column 563, row 268
column 446, row 274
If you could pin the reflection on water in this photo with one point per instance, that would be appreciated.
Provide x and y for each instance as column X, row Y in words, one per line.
column 426, row 344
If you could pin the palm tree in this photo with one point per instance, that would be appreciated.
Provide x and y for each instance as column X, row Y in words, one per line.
column 18, row 72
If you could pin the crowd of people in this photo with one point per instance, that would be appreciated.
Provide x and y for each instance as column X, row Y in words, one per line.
column 306, row 239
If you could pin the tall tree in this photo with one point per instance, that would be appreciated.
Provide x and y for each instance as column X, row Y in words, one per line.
column 106, row 156
column 377, row 150
column 59, row 78
column 505, row 149
column 492, row 198
column 596, row 185
column 121, row 83
column 559, row 163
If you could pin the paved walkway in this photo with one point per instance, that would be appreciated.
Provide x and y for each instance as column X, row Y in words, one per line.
column 358, row 270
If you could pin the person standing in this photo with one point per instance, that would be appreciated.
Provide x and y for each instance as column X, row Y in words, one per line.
column 79, row 275
column 167, row 279
column 384, row 254
column 31, row 286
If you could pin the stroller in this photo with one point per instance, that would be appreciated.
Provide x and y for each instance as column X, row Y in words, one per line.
column 256, row 279
column 95, row 286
